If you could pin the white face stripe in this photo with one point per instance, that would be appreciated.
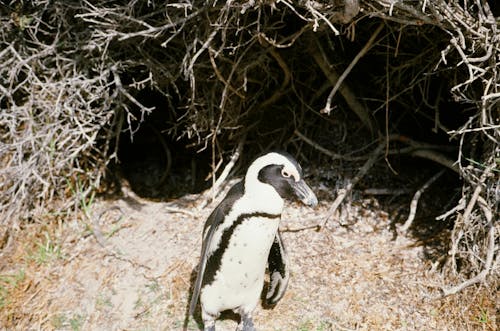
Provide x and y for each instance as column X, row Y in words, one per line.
column 270, row 159
column 292, row 171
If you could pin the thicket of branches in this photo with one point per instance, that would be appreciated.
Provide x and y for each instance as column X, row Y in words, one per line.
column 75, row 76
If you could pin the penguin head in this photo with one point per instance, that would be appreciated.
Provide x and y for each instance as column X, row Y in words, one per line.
column 283, row 173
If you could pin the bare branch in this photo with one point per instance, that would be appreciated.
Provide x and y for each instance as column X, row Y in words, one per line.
column 414, row 202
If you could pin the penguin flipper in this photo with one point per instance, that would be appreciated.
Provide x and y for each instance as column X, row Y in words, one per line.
column 211, row 225
column 278, row 270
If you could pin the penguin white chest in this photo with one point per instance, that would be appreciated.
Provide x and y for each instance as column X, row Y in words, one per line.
column 239, row 281
column 249, row 247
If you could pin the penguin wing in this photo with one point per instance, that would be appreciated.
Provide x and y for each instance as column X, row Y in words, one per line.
column 214, row 220
column 278, row 270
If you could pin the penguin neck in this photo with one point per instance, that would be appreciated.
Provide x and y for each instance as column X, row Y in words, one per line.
column 262, row 196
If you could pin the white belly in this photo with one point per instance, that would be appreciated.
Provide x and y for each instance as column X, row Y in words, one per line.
column 238, row 283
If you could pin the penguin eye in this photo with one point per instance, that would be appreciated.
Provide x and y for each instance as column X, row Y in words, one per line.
column 285, row 173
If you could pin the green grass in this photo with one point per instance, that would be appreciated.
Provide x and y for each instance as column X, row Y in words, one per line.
column 484, row 317
column 115, row 228
column 46, row 251
column 58, row 321
column 310, row 326
column 84, row 196
column 74, row 322
column 153, row 287
column 8, row 283
column 479, row 164
column 103, row 301
column 139, row 304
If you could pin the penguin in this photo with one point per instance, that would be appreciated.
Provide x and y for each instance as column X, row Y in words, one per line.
column 241, row 239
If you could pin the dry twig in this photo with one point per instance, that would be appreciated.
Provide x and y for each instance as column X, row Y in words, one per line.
column 351, row 65
column 414, row 202
column 330, row 73
column 359, row 175
column 76, row 76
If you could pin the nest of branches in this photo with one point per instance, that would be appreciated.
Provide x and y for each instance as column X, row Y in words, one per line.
column 77, row 76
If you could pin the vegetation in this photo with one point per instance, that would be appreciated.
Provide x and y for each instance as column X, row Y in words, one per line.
column 78, row 78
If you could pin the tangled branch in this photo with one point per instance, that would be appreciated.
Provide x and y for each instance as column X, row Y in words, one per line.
column 76, row 77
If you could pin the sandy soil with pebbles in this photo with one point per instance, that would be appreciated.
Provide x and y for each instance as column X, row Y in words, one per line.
column 353, row 274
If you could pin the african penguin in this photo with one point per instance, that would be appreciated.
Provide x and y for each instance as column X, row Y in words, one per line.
column 241, row 238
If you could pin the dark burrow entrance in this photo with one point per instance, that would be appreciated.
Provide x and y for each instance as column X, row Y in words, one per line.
column 158, row 164
column 159, row 167
column 155, row 164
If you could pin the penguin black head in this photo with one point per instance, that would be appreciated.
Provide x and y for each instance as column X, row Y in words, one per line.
column 281, row 171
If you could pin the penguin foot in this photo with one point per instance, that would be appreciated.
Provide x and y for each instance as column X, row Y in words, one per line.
column 209, row 325
column 246, row 323
column 208, row 320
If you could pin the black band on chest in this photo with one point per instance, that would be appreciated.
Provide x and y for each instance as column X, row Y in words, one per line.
column 215, row 260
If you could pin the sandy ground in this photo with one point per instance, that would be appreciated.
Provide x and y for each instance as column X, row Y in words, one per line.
column 354, row 276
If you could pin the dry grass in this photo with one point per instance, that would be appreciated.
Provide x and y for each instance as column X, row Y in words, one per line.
column 356, row 277
column 76, row 78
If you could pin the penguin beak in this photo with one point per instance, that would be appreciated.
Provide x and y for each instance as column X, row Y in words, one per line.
column 304, row 193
